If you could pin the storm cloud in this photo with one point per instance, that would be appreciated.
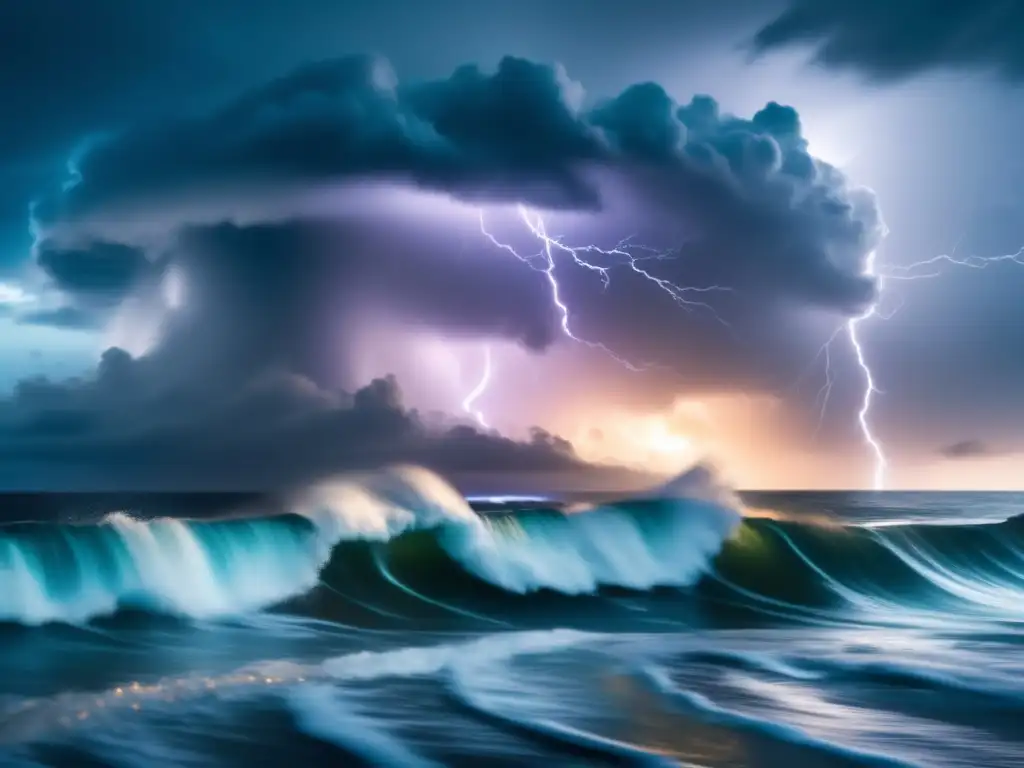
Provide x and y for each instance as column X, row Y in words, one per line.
column 890, row 40
column 102, row 272
column 297, row 208
column 765, row 211
column 200, row 202
column 125, row 428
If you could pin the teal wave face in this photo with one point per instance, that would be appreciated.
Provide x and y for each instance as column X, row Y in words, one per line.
column 960, row 568
column 412, row 534
column 73, row 573
column 407, row 539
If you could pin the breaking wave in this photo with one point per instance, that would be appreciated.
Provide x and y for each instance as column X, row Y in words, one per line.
column 381, row 543
column 72, row 573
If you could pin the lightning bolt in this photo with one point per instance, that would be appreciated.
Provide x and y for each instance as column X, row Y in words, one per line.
column 624, row 253
column 909, row 272
column 825, row 393
column 870, row 388
column 932, row 269
column 478, row 390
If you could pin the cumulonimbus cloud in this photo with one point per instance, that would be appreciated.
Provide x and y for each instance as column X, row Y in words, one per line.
column 243, row 200
column 760, row 204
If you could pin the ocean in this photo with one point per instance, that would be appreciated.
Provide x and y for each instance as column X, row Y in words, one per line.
column 386, row 620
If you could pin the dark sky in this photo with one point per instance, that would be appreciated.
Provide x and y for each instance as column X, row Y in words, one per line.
column 251, row 243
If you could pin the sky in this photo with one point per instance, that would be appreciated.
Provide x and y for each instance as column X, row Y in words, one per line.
column 246, row 245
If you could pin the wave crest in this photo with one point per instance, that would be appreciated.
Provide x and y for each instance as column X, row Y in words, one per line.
column 74, row 573
column 204, row 569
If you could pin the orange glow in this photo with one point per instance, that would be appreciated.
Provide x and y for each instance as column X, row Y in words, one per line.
column 752, row 442
column 719, row 428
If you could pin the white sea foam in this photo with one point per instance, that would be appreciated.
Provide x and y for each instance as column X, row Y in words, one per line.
column 208, row 569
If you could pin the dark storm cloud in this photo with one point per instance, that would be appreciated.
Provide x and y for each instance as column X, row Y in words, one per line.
column 72, row 68
column 228, row 398
column 896, row 39
column 968, row 449
column 102, row 272
column 512, row 134
column 770, row 216
column 125, row 429
column 771, row 219
column 93, row 279
column 244, row 379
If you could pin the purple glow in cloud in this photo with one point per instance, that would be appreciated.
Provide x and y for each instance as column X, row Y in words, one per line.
column 624, row 253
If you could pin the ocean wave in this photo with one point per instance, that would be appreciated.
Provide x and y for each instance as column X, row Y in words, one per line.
column 320, row 712
column 887, row 672
column 710, row 711
column 877, row 572
column 943, row 680
column 574, row 740
column 69, row 573
column 405, row 536
column 74, row 573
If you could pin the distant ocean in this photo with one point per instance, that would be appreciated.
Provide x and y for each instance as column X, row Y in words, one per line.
column 389, row 621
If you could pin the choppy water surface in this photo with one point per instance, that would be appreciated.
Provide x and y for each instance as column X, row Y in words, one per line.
column 384, row 622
